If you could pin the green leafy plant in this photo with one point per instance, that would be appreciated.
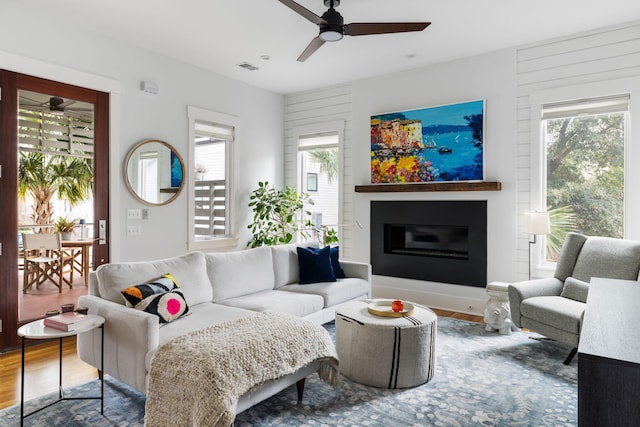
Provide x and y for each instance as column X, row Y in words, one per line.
column 64, row 224
column 277, row 215
column 330, row 236
column 562, row 220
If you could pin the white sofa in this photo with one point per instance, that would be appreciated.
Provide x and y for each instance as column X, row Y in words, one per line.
column 217, row 287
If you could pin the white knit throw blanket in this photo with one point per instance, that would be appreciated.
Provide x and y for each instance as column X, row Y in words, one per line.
column 196, row 379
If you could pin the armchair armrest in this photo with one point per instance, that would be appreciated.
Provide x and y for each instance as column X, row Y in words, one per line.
column 520, row 291
column 129, row 336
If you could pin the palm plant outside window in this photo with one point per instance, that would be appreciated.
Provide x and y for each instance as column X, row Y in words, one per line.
column 319, row 172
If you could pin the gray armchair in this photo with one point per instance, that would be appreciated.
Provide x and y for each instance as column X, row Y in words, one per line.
column 554, row 307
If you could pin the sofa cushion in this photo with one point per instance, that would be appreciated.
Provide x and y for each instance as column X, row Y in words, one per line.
column 314, row 265
column 202, row 316
column 575, row 289
column 333, row 292
column 296, row 304
column 233, row 274
column 285, row 262
column 561, row 313
column 189, row 270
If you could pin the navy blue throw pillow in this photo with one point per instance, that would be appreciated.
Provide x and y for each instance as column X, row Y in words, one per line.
column 315, row 265
column 334, row 255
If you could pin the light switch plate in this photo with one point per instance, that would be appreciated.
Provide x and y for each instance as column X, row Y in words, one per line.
column 134, row 213
column 134, row 230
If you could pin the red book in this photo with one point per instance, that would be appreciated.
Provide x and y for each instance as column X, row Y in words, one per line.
column 70, row 321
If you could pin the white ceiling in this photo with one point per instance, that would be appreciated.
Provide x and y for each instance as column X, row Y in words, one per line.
column 218, row 35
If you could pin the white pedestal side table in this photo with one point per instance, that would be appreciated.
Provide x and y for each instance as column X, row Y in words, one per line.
column 497, row 312
column 37, row 331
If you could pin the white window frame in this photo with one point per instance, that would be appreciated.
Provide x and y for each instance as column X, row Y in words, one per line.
column 322, row 128
column 231, row 239
column 539, row 266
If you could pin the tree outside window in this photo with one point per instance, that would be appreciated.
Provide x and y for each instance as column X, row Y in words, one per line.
column 585, row 171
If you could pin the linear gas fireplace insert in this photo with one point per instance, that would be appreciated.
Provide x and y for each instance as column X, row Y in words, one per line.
column 440, row 241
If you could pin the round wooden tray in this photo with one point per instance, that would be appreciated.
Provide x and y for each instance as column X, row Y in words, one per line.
column 383, row 308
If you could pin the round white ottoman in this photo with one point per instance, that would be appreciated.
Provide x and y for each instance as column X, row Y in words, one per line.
column 389, row 352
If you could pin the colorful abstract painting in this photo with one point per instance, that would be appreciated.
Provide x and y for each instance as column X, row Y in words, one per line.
column 443, row 143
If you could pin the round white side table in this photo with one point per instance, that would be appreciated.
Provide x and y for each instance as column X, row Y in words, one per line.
column 36, row 330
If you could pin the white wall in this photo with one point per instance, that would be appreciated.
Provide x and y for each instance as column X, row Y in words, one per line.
column 110, row 66
column 490, row 77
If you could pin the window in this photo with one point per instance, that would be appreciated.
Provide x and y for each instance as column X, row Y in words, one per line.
column 148, row 175
column 319, row 172
column 584, row 175
column 212, row 136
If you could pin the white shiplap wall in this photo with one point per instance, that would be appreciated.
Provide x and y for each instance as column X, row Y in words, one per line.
column 316, row 107
column 598, row 56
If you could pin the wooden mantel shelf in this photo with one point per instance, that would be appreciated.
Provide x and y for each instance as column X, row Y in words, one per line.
column 430, row 186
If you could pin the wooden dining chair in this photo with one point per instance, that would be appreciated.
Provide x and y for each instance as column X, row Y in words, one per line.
column 45, row 259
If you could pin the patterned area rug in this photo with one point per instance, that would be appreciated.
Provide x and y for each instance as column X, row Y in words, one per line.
column 482, row 379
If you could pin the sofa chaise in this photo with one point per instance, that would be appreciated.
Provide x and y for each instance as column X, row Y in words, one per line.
column 217, row 287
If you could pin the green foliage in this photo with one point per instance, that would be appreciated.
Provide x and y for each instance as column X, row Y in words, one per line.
column 44, row 175
column 328, row 161
column 585, row 171
column 330, row 236
column 64, row 224
column 277, row 215
column 562, row 221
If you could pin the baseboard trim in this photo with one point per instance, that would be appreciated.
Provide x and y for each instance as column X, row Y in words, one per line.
column 432, row 299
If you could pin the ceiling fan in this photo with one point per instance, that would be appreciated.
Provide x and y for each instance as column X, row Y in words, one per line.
column 58, row 104
column 333, row 28
column 55, row 105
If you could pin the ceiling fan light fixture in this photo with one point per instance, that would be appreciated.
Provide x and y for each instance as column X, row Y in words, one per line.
column 330, row 35
column 332, row 26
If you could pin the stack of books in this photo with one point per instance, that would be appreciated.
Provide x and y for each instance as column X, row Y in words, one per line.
column 68, row 322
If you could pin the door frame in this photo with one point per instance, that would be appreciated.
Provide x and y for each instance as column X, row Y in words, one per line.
column 11, row 83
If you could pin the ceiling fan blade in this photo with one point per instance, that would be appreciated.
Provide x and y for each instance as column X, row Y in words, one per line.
column 311, row 48
column 303, row 11
column 367, row 28
column 79, row 109
column 65, row 104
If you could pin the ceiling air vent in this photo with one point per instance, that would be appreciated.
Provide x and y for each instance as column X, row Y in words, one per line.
column 248, row 66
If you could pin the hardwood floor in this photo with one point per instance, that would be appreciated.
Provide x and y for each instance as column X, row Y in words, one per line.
column 41, row 366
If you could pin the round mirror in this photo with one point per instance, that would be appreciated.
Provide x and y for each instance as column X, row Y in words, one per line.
column 154, row 172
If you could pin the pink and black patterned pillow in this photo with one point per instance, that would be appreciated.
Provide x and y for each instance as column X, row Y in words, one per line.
column 161, row 297
column 167, row 306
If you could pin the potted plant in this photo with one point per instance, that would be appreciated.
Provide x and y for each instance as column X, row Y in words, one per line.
column 65, row 226
column 200, row 170
column 278, row 215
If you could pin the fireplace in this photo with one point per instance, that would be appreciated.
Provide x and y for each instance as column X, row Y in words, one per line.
column 439, row 241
